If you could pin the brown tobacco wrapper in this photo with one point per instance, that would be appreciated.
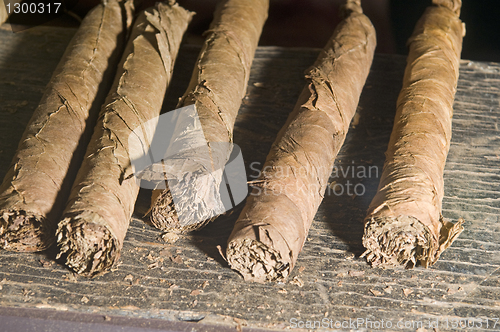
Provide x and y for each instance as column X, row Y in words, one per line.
column 404, row 225
column 3, row 12
column 97, row 216
column 217, row 86
column 273, row 226
column 36, row 186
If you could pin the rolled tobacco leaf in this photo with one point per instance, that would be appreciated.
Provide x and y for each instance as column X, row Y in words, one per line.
column 217, row 86
column 3, row 12
column 404, row 225
column 273, row 226
column 95, row 221
column 38, row 182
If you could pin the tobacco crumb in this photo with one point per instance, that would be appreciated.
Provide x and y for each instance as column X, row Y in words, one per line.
column 376, row 292
column 85, row 300
column 196, row 292
column 283, row 291
column 407, row 291
column 297, row 281
column 177, row 259
column 46, row 263
column 388, row 289
column 129, row 278
column 350, row 256
column 170, row 237
column 154, row 265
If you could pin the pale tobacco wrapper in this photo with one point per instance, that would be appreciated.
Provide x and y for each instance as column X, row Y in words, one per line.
column 404, row 225
column 273, row 226
column 217, row 86
column 37, row 184
column 3, row 12
column 95, row 221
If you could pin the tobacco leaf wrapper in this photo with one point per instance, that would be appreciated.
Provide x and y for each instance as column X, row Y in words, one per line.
column 404, row 225
column 217, row 86
column 37, row 184
column 273, row 226
column 3, row 12
column 95, row 221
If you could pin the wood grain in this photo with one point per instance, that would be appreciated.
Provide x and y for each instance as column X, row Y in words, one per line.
column 188, row 280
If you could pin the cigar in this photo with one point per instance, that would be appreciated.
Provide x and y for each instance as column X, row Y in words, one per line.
column 38, row 182
column 95, row 221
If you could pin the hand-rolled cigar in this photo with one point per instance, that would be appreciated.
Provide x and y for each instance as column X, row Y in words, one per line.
column 404, row 225
column 273, row 226
column 38, row 182
column 217, row 86
column 95, row 221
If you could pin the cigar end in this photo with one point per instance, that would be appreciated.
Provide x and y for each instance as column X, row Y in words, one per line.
column 24, row 231
column 164, row 215
column 88, row 248
column 453, row 5
column 162, row 212
column 401, row 241
column 256, row 262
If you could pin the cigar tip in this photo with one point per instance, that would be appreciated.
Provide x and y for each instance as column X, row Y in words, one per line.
column 453, row 5
column 400, row 241
column 256, row 262
column 351, row 6
column 87, row 248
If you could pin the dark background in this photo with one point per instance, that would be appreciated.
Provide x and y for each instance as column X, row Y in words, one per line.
column 309, row 23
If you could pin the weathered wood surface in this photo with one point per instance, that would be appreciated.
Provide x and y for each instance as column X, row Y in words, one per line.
column 188, row 279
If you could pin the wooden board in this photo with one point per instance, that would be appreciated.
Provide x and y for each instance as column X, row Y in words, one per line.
column 189, row 281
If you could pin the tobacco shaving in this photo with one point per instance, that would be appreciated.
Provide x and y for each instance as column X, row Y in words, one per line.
column 273, row 226
column 38, row 182
column 217, row 86
column 95, row 221
column 404, row 225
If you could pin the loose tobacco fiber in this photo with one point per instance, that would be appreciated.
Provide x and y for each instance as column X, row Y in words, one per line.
column 217, row 86
column 36, row 186
column 95, row 221
column 273, row 226
column 404, row 225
